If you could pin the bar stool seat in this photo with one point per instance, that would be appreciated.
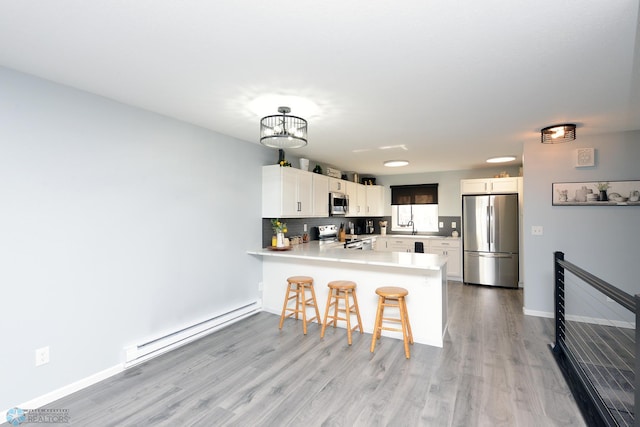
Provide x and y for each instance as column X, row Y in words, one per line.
column 339, row 290
column 392, row 296
column 296, row 289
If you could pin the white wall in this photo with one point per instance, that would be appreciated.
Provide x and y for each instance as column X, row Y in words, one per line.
column 604, row 240
column 115, row 224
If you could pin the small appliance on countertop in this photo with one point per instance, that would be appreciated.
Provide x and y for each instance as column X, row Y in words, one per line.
column 369, row 227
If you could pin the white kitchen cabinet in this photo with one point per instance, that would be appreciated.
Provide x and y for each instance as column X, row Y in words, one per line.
column 397, row 244
column 374, row 200
column 361, row 197
column 364, row 200
column 320, row 185
column 286, row 192
column 451, row 249
column 337, row 185
column 351, row 189
column 357, row 199
column 489, row 185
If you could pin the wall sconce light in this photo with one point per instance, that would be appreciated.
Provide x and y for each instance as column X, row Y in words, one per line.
column 558, row 133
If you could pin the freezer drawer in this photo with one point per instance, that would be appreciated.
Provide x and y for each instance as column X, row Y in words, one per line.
column 488, row 268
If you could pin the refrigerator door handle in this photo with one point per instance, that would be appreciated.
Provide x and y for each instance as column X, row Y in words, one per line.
column 489, row 255
column 488, row 228
column 492, row 227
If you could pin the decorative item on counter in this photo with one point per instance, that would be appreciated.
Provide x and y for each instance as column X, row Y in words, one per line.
column 318, row 169
column 285, row 163
column 304, row 164
column 602, row 188
column 383, row 228
column 454, row 233
column 342, row 235
column 279, row 228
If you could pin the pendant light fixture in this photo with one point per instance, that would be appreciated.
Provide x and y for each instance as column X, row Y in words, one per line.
column 283, row 131
column 558, row 133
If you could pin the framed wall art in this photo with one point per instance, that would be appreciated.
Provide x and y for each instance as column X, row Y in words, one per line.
column 596, row 193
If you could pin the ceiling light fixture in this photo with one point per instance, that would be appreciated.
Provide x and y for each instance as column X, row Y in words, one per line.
column 282, row 131
column 395, row 163
column 501, row 159
column 558, row 133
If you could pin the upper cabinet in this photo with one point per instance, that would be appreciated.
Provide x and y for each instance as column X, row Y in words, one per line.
column 364, row 200
column 374, row 205
column 337, row 185
column 286, row 192
column 490, row 185
column 321, row 184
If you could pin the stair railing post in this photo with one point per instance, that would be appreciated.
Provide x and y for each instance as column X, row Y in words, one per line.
column 559, row 296
column 636, row 394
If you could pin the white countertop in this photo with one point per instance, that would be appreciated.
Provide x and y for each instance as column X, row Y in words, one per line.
column 336, row 253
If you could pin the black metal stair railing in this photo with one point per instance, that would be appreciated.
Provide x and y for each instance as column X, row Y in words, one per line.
column 598, row 357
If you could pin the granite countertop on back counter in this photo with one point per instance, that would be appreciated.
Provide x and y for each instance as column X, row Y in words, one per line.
column 335, row 252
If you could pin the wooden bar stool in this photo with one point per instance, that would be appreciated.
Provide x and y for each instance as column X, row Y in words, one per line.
column 340, row 290
column 296, row 289
column 391, row 296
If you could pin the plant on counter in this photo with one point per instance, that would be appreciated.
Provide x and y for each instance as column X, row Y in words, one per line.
column 603, row 186
column 278, row 226
column 383, row 223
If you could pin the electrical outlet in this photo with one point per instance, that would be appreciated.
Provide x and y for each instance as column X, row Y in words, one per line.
column 536, row 230
column 441, row 224
column 260, row 286
column 453, row 224
column 42, row 356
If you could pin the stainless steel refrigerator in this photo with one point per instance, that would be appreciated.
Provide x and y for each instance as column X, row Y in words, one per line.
column 490, row 239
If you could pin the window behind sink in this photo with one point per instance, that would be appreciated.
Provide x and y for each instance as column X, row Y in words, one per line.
column 424, row 217
column 414, row 208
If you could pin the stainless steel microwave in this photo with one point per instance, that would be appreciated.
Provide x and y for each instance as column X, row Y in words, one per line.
column 338, row 204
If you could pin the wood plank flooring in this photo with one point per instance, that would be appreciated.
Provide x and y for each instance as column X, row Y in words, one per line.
column 495, row 370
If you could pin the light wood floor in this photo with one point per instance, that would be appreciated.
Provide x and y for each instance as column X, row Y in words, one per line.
column 495, row 370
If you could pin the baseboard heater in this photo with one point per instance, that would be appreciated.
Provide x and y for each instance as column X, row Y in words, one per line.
column 139, row 353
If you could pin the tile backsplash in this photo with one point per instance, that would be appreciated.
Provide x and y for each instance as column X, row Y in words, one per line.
column 295, row 226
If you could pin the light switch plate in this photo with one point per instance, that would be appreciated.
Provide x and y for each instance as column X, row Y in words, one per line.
column 453, row 224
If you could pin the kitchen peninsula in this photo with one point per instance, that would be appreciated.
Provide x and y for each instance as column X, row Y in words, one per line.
column 423, row 275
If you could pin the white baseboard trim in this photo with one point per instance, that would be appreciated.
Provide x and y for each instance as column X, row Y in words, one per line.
column 66, row 390
column 537, row 313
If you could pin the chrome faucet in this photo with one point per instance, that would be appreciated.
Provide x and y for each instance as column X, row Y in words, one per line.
column 413, row 228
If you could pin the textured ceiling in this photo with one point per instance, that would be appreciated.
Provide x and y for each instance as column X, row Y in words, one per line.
column 444, row 85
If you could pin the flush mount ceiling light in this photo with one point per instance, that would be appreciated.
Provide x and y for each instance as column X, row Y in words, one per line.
column 282, row 131
column 501, row 159
column 395, row 163
column 558, row 133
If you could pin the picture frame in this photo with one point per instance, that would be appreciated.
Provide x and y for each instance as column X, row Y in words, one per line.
column 596, row 193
